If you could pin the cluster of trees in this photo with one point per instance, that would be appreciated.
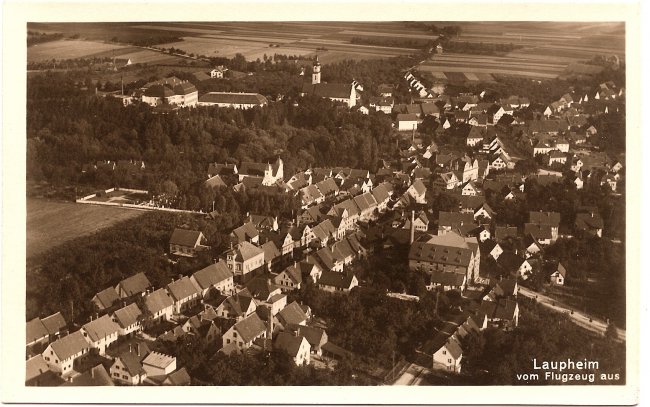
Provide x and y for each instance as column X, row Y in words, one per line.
column 449, row 30
column 392, row 42
column 35, row 37
column 496, row 357
column 147, row 40
column 86, row 64
column 481, row 48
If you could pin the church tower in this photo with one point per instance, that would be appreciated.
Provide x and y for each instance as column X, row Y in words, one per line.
column 315, row 75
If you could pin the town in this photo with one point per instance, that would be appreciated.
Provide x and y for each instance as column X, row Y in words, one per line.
column 340, row 230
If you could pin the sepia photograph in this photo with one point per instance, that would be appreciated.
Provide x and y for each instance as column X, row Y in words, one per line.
column 429, row 202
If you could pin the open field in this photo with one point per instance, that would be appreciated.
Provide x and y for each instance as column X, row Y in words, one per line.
column 51, row 223
column 545, row 48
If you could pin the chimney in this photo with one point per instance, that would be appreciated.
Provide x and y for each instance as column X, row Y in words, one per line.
column 92, row 372
column 412, row 227
column 137, row 349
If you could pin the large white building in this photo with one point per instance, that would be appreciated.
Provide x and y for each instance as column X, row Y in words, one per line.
column 337, row 92
column 171, row 91
column 235, row 100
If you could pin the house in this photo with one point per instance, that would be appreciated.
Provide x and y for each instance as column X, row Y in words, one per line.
column 309, row 271
column 218, row 72
column 559, row 275
column 542, row 234
column 469, row 189
column 244, row 258
column 289, row 279
column 503, row 313
column 170, row 91
column 514, row 264
column 129, row 319
column 407, row 122
column 159, row 306
column 137, row 284
column 531, row 245
column 268, row 174
column 127, row 367
column 458, row 222
column 293, row 314
column 158, row 364
column 234, row 100
column 187, row 242
column 556, row 157
column 184, row 294
column 551, row 219
column 417, row 191
column 446, row 180
column 205, row 329
column 245, row 233
column 37, row 373
column 449, row 252
column 337, row 282
column 296, row 346
column 491, row 248
column 590, row 223
column 484, row 211
column 101, row 333
column 420, row 222
column 36, row 333
column 475, row 136
column 447, row 280
column 216, row 276
column 235, row 307
column 178, row 378
column 95, row 376
column 105, row 299
column 243, row 333
column 315, row 336
column 502, row 233
column 60, row 355
column 442, row 352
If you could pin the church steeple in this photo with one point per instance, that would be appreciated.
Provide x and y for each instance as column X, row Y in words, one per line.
column 315, row 75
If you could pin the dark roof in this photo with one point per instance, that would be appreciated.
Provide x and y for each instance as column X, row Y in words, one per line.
column 233, row 98
column 212, row 274
column 545, row 218
column 35, row 330
column 288, row 343
column 334, row 279
column 106, row 298
column 509, row 261
column 328, row 90
column 538, row 231
column 184, row 237
column 315, row 336
column 54, row 323
column 132, row 362
column 128, row 315
column 402, row 117
column 159, row 91
column 503, row 232
column 250, row 327
column 502, row 309
column 96, row 376
column 178, row 378
column 587, row 221
column 70, row 345
column 455, row 219
column 101, row 328
column 182, row 288
column 158, row 300
column 293, row 314
column 135, row 284
column 448, row 279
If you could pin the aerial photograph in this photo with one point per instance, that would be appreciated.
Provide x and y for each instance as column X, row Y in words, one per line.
column 325, row 203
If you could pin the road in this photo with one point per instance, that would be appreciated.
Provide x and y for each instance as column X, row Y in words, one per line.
column 412, row 376
column 579, row 318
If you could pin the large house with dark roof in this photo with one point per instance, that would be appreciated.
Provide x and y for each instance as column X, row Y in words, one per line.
column 187, row 242
column 446, row 253
column 137, row 284
column 170, row 91
column 243, row 333
column 216, row 276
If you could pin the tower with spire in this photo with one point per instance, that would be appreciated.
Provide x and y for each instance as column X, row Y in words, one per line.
column 315, row 75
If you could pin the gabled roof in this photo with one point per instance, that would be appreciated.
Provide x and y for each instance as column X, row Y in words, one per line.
column 334, row 279
column 158, row 301
column 183, row 237
column 328, row 90
column 135, row 284
column 250, row 327
column 215, row 181
column 446, row 278
column 100, row 328
column 293, row 273
column 538, row 231
column 315, row 336
column 34, row 367
column 561, row 269
column 419, row 187
column 588, row 221
column 35, row 330
column 96, row 376
column 271, row 251
column 260, row 287
column 178, row 378
column 245, row 251
column 293, row 314
column 365, row 201
column 455, row 219
column 128, row 315
column 54, row 323
column 212, row 275
column 503, row 232
column 182, row 288
column 132, row 362
column 107, row 297
column 545, row 218
column 503, row 309
column 245, row 232
column 289, row 343
column 407, row 117
column 509, row 261
column 70, row 345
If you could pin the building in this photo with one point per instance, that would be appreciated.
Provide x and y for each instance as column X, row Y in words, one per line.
column 184, row 294
column 129, row 319
column 559, row 275
column 61, row 354
column 158, row 364
column 137, row 284
column 234, row 100
column 450, row 253
column 244, row 258
column 294, row 345
column 159, row 305
column 170, row 91
column 127, row 367
column 241, row 335
column 101, row 333
column 105, row 299
column 333, row 281
column 552, row 219
column 337, row 92
column 187, row 242
column 407, row 122
column 216, row 276
column 269, row 174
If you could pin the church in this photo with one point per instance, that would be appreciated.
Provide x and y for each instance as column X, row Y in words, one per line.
column 338, row 92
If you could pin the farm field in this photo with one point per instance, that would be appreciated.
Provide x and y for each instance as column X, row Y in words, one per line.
column 69, row 49
column 50, row 223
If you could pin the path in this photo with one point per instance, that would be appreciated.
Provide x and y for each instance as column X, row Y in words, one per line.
column 579, row 318
column 412, row 376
